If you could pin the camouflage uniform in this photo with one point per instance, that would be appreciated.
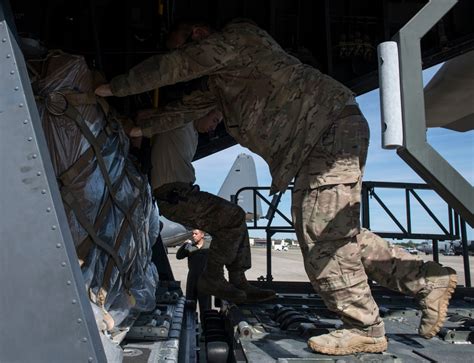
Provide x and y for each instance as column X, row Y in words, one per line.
column 181, row 202
column 325, row 209
column 296, row 119
column 272, row 103
column 223, row 220
column 393, row 267
column 339, row 256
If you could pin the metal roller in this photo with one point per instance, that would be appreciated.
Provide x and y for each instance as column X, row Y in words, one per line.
column 390, row 96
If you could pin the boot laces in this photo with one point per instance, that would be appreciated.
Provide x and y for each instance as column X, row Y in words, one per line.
column 340, row 333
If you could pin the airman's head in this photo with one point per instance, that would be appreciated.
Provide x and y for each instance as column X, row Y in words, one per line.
column 209, row 122
column 198, row 236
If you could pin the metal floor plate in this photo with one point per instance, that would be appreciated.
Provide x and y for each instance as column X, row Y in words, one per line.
column 280, row 332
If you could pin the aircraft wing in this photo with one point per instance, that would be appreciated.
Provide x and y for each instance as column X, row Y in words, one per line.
column 174, row 234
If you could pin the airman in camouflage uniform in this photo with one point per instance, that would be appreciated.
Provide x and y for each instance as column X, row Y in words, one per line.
column 172, row 179
column 306, row 126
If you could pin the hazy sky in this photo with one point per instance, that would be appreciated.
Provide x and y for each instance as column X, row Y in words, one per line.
column 382, row 165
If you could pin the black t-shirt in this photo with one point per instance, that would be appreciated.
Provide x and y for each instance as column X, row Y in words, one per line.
column 197, row 257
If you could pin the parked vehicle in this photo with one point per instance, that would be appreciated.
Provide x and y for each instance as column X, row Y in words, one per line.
column 412, row 250
column 282, row 246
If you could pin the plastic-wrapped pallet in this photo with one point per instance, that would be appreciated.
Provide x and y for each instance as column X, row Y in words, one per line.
column 107, row 200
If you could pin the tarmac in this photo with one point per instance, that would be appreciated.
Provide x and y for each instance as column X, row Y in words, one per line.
column 288, row 265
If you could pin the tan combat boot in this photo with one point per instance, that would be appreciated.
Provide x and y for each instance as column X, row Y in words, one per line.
column 347, row 341
column 429, row 282
column 434, row 298
column 213, row 282
column 254, row 294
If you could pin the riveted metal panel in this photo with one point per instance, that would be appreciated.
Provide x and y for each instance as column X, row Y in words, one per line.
column 45, row 314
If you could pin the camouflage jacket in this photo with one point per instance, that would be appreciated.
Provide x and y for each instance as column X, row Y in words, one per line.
column 272, row 103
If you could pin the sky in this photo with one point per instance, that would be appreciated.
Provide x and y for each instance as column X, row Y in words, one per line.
column 382, row 165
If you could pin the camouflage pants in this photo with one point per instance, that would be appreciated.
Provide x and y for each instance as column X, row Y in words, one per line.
column 223, row 220
column 392, row 267
column 338, row 254
column 325, row 210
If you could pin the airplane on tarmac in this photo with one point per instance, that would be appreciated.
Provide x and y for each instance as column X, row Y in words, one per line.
column 241, row 174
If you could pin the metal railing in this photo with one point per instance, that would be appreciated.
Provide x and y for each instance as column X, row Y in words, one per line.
column 454, row 230
column 450, row 232
column 270, row 216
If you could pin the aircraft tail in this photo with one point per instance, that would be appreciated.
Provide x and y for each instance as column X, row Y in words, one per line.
column 242, row 174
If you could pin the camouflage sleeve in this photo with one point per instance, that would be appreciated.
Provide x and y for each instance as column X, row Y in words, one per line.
column 177, row 114
column 192, row 61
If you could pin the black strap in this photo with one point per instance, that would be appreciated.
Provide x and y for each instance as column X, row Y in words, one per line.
column 118, row 242
column 72, row 203
column 73, row 114
column 83, row 248
column 68, row 176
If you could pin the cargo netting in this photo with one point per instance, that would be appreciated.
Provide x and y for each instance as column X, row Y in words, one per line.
column 108, row 201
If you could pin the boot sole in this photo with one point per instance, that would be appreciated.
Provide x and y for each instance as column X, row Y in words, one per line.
column 361, row 348
column 443, row 305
